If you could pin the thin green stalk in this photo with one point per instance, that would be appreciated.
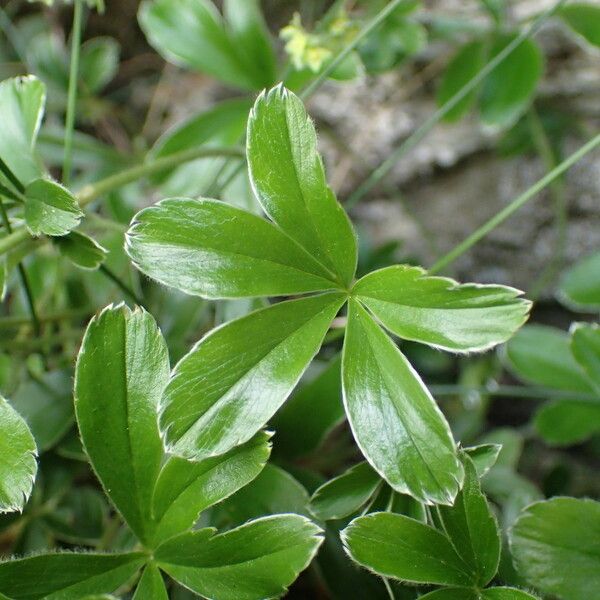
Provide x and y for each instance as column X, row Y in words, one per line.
column 121, row 285
column 414, row 139
column 17, row 322
column 388, row 588
column 512, row 391
column 72, row 93
column 343, row 54
column 514, row 206
column 557, row 190
column 23, row 276
column 11, row 177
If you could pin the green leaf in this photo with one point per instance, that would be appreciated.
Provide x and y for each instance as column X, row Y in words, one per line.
column 484, row 457
column 585, row 346
column 99, row 62
column 50, row 208
column 317, row 405
column 274, row 491
column 472, row 528
column 541, row 355
column 122, row 370
column 151, row 586
column 567, row 422
column 47, row 407
column 396, row 546
column 580, row 285
column 555, row 545
column 465, row 64
column 82, row 250
column 184, row 489
column 22, row 102
column 250, row 34
column 288, row 178
column 506, row 593
column 257, row 560
column 234, row 380
column 439, row 312
column 451, row 594
column 18, row 465
column 193, row 34
column 345, row 494
column 211, row 249
column 509, row 89
column 394, row 418
column 583, row 19
column 67, row 575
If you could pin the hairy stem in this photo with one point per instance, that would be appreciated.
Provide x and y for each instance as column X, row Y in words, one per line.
column 72, row 93
column 121, row 285
column 513, row 207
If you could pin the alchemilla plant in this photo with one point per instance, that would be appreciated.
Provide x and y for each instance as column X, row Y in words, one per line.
column 254, row 399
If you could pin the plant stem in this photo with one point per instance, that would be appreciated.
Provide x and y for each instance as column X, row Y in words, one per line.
column 513, row 207
column 121, row 285
column 557, row 189
column 23, row 276
column 90, row 192
column 414, row 139
column 72, row 93
column 11, row 177
column 16, row 322
column 345, row 52
column 512, row 391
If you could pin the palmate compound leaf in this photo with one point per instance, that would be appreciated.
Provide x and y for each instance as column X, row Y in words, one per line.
column 555, row 545
column 440, row 312
column 184, row 489
column 233, row 381
column 18, row 464
column 122, row 370
column 394, row 418
column 402, row 548
column 288, row 178
column 211, row 249
column 256, row 560
column 67, row 575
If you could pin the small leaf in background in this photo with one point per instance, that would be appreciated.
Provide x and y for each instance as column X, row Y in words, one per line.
column 396, row 422
column 580, row 285
column 233, row 381
column 151, row 586
column 211, row 249
column 567, row 422
column 484, row 457
column 22, row 103
column 506, row 593
column 584, row 19
column 257, row 560
column 317, row 405
column 288, row 178
column 509, row 88
column 82, row 250
column 472, row 528
column 122, row 370
column 67, row 575
column 541, row 355
column 193, row 34
column 556, row 546
column 345, row 494
column 18, row 465
column 184, row 489
column 585, row 346
column 440, row 312
column 47, row 407
column 99, row 62
column 467, row 62
column 396, row 546
column 452, row 594
column 50, row 209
